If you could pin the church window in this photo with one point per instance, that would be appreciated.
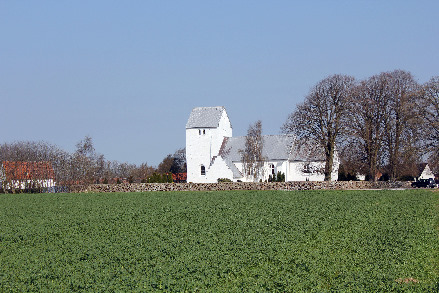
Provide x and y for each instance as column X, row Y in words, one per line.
column 199, row 131
column 203, row 170
column 272, row 169
column 204, row 131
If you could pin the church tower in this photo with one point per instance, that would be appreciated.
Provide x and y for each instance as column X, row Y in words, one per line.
column 205, row 132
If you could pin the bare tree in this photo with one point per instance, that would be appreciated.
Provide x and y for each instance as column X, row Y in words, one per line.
column 252, row 157
column 322, row 116
column 87, row 165
column 179, row 165
column 367, row 116
column 401, row 121
column 142, row 172
column 429, row 107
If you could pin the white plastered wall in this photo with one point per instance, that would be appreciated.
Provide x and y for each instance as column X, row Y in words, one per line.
column 219, row 169
column 202, row 144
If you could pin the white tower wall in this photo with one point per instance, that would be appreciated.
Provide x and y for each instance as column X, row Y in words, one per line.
column 202, row 144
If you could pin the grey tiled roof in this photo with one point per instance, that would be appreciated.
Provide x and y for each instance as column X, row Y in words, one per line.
column 205, row 117
column 275, row 147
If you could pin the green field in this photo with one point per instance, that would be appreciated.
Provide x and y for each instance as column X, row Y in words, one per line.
column 235, row 241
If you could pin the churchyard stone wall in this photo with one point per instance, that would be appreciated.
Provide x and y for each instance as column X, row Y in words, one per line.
column 296, row 185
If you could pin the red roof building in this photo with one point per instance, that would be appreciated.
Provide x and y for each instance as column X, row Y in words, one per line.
column 20, row 174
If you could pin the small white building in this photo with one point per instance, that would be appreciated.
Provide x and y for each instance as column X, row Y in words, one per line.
column 212, row 152
column 425, row 172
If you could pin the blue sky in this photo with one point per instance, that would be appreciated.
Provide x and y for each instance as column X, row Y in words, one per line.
column 128, row 73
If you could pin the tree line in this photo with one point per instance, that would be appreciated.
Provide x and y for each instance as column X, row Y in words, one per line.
column 385, row 124
column 86, row 166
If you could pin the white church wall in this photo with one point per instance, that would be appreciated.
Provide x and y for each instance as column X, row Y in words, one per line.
column 240, row 167
column 197, row 154
column 297, row 171
column 219, row 169
column 281, row 166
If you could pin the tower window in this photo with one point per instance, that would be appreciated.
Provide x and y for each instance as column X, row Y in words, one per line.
column 203, row 170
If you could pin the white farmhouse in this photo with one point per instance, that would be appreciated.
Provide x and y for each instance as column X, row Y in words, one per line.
column 212, row 152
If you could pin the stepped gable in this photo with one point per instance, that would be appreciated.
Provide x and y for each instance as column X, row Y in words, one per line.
column 205, row 117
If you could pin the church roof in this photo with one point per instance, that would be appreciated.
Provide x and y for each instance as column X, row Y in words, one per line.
column 205, row 117
column 275, row 147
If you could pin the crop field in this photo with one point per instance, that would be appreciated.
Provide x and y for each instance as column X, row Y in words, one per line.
column 235, row 241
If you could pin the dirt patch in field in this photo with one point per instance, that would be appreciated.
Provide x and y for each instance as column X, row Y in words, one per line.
column 406, row 280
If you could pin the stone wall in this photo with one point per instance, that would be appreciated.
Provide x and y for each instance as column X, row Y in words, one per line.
column 296, row 185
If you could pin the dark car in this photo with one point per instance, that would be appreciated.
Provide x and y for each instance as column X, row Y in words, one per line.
column 425, row 183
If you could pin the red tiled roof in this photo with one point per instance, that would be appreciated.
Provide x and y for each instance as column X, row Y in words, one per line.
column 28, row 170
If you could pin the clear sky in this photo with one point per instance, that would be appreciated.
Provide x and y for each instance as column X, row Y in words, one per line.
column 128, row 73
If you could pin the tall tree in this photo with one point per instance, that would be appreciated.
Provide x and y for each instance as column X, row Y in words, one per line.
column 179, row 164
column 429, row 107
column 166, row 164
column 401, row 124
column 322, row 116
column 86, row 162
column 367, row 116
column 173, row 163
column 252, row 157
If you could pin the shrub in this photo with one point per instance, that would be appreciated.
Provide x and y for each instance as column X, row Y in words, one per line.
column 160, row 178
column 406, row 178
column 280, row 177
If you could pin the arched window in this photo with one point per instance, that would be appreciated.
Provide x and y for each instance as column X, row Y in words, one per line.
column 272, row 169
column 203, row 170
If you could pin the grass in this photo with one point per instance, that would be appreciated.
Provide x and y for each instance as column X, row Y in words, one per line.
column 277, row 241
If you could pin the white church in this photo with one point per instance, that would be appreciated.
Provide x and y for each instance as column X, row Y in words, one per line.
column 212, row 152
